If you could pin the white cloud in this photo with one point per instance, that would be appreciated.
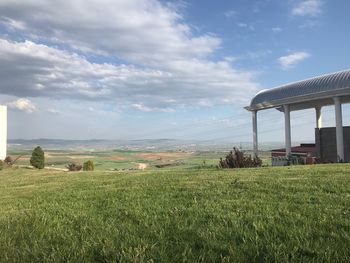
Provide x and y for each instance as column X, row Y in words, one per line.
column 36, row 70
column 230, row 13
column 258, row 54
column 23, row 104
column 91, row 109
column 276, row 29
column 165, row 64
column 141, row 107
column 141, row 31
column 291, row 60
column 230, row 59
column 308, row 8
column 12, row 24
column 309, row 24
column 244, row 25
column 53, row 111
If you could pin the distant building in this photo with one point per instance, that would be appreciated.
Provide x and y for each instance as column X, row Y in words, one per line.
column 331, row 143
column 306, row 152
column 3, row 132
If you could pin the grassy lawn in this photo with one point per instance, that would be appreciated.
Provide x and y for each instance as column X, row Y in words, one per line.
column 287, row 214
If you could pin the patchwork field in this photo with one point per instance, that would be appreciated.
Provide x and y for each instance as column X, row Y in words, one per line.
column 123, row 160
column 286, row 214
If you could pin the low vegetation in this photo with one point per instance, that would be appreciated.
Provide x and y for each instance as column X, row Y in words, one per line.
column 8, row 160
column 88, row 166
column 237, row 159
column 74, row 167
column 284, row 214
column 37, row 159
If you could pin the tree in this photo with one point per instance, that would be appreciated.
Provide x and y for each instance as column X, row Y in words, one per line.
column 8, row 160
column 38, row 158
column 74, row 167
column 237, row 159
column 88, row 166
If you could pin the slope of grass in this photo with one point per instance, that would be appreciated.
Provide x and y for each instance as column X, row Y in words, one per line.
column 283, row 214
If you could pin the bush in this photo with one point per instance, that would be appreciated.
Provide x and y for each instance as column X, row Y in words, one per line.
column 88, row 166
column 236, row 159
column 8, row 160
column 38, row 158
column 1, row 165
column 74, row 167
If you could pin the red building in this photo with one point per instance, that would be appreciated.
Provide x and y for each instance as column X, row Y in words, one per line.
column 306, row 152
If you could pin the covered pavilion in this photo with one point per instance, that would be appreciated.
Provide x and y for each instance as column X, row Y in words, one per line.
column 317, row 92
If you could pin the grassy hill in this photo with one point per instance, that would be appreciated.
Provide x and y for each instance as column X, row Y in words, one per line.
column 286, row 214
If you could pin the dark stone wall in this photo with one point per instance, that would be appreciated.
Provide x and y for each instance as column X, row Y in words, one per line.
column 326, row 144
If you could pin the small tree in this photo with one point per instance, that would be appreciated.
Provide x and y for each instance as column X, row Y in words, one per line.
column 74, row 167
column 38, row 158
column 88, row 166
column 237, row 159
column 8, row 160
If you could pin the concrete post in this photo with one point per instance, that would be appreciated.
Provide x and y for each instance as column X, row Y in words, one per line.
column 3, row 132
column 339, row 129
column 318, row 118
column 255, row 132
column 318, row 132
column 288, row 140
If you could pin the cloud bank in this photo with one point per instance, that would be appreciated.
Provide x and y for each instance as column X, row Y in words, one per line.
column 137, row 53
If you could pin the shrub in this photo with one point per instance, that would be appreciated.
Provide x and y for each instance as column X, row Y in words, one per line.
column 236, row 159
column 1, row 165
column 74, row 167
column 88, row 166
column 38, row 158
column 8, row 160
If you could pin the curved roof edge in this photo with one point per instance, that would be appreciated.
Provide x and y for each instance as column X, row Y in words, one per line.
column 312, row 89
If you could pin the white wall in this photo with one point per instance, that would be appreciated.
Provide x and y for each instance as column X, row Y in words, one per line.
column 3, row 132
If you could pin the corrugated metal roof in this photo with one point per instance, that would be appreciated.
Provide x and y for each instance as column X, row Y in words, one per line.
column 330, row 82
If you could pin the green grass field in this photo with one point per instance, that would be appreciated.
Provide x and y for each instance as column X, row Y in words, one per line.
column 287, row 214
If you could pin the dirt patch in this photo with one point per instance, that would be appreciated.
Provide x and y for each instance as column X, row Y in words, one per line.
column 23, row 158
column 116, row 158
column 57, row 169
column 80, row 156
column 142, row 166
column 157, row 156
column 47, row 155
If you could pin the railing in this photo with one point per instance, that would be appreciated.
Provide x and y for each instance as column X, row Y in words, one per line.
column 292, row 160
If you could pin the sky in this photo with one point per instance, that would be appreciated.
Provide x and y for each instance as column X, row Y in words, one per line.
column 147, row 69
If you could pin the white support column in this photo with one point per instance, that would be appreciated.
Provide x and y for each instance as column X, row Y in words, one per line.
column 3, row 132
column 318, row 118
column 288, row 140
column 255, row 132
column 339, row 129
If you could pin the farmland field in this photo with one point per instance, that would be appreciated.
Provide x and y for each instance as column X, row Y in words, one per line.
column 286, row 214
column 124, row 160
column 112, row 160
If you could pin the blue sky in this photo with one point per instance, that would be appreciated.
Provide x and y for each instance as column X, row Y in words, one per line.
column 138, row 69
